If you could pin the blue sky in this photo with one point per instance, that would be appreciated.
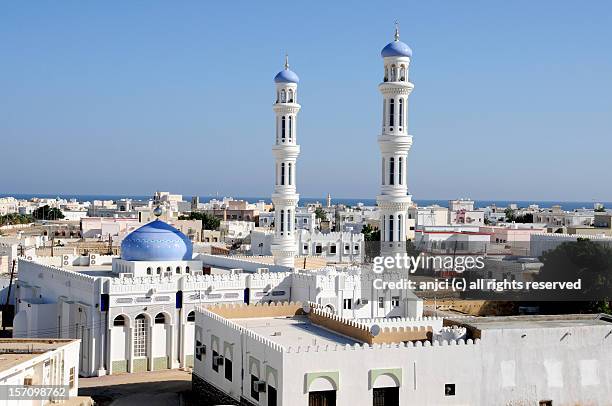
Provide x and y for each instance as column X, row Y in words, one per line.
column 512, row 100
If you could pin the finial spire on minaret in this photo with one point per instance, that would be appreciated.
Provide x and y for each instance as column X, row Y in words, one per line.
column 396, row 30
column 286, row 61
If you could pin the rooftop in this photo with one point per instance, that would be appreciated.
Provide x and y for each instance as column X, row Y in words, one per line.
column 293, row 331
column 14, row 351
column 535, row 321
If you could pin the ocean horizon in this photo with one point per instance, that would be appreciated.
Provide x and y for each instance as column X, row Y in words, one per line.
column 565, row 205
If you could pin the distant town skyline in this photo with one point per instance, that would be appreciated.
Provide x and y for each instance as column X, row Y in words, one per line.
column 511, row 101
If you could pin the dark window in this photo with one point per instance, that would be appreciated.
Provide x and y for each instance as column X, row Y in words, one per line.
column 395, row 301
column 399, row 168
column 119, row 321
column 198, row 352
column 149, row 271
column 545, row 403
column 283, row 173
column 348, row 304
column 318, row 249
column 290, row 126
column 332, row 249
column 214, row 357
column 386, row 396
column 272, row 396
column 449, row 389
column 401, row 112
column 160, row 318
column 322, row 398
column 391, row 227
column 191, row 316
column 228, row 369
column 392, row 171
column 381, row 302
column 391, row 112
column 254, row 393
column 283, row 128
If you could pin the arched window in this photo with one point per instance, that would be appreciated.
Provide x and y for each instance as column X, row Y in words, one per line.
column 383, row 171
column 401, row 112
column 393, row 73
column 402, row 74
column 160, row 318
column 290, row 127
column 140, row 336
column 386, row 79
column 289, row 220
column 119, row 321
column 391, row 112
column 282, row 220
column 283, row 128
column 191, row 316
column 178, row 269
column 400, row 164
column 391, row 171
column 391, row 227
column 290, row 96
column 282, row 174
column 149, row 270
column 168, row 269
column 289, row 174
column 187, row 269
column 283, row 96
column 400, row 238
column 158, row 270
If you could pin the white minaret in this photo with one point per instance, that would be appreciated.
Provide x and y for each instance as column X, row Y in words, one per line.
column 286, row 151
column 394, row 142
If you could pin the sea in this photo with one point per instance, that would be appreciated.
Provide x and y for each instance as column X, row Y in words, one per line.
column 565, row 205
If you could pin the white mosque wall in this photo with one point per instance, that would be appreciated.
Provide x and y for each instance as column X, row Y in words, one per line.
column 246, row 265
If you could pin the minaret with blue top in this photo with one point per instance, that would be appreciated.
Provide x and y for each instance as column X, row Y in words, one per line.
column 394, row 142
column 286, row 151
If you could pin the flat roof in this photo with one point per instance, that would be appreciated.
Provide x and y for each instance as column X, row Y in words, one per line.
column 294, row 331
column 535, row 321
column 16, row 351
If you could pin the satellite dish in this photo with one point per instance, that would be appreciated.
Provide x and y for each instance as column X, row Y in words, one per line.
column 306, row 308
column 375, row 330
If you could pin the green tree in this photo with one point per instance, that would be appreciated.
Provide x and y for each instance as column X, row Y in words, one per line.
column 209, row 222
column 47, row 213
column 370, row 233
column 601, row 209
column 525, row 218
column 510, row 216
column 586, row 260
column 320, row 214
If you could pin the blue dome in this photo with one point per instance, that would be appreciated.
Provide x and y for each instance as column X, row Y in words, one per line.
column 286, row 76
column 156, row 241
column 396, row 48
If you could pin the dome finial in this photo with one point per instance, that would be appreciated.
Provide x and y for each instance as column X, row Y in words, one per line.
column 396, row 30
column 286, row 61
column 158, row 211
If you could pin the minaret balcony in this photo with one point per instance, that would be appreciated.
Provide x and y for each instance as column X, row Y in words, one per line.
column 396, row 88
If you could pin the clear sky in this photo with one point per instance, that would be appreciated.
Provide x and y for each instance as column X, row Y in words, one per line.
column 512, row 100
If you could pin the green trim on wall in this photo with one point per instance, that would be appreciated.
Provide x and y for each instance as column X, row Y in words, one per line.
column 375, row 373
column 160, row 363
column 139, row 365
column 119, row 367
column 333, row 376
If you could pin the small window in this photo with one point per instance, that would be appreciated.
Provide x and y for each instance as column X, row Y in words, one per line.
column 27, row 381
column 381, row 302
column 215, row 365
column 356, row 247
column 168, row 269
column 158, row 270
column 191, row 316
column 449, row 389
column 228, row 369
column 149, row 271
column 187, row 269
column 332, row 249
column 160, row 318
column 545, row 403
column 119, row 321
column 318, row 249
column 254, row 393
column 71, row 378
column 395, row 301
column 198, row 352
column 178, row 269
column 348, row 304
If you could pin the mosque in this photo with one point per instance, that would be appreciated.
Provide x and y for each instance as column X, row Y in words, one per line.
column 136, row 312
